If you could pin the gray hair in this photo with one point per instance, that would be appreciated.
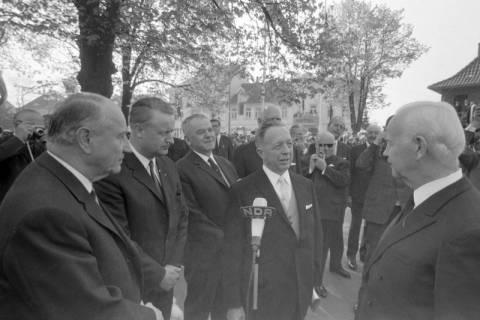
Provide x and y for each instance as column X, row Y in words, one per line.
column 186, row 122
column 73, row 113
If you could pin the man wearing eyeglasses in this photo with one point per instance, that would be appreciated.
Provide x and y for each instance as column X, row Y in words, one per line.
column 18, row 150
column 331, row 176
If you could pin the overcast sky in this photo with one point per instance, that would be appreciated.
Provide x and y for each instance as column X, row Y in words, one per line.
column 451, row 28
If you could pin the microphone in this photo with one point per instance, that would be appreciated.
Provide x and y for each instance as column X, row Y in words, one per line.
column 257, row 212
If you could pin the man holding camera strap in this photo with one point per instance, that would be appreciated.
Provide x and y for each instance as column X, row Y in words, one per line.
column 21, row 148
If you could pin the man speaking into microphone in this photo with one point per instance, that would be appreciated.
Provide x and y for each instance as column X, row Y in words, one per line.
column 289, row 265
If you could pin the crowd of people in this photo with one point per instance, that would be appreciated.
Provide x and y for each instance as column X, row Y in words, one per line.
column 100, row 219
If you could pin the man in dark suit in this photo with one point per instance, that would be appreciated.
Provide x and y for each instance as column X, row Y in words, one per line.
column 146, row 196
column 223, row 144
column 331, row 176
column 385, row 195
column 245, row 159
column 300, row 158
column 290, row 259
column 359, row 180
column 206, row 180
column 63, row 255
column 21, row 148
column 426, row 263
column 336, row 126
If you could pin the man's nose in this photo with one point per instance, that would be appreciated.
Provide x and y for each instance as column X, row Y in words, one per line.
column 169, row 138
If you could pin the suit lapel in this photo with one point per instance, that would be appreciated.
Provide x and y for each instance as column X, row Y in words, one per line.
column 167, row 190
column 141, row 175
column 300, row 195
column 205, row 167
column 414, row 221
column 225, row 170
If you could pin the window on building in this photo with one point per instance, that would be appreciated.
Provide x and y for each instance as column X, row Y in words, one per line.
column 313, row 109
column 248, row 113
column 233, row 114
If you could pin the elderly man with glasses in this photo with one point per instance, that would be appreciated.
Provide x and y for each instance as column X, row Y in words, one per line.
column 331, row 176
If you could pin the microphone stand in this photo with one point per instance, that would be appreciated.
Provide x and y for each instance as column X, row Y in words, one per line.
column 253, row 274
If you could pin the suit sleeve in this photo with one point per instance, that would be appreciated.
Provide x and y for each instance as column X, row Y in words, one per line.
column 232, row 262
column 318, row 270
column 182, row 227
column 239, row 162
column 197, row 220
column 10, row 147
column 112, row 197
column 51, row 261
column 457, row 278
column 339, row 175
column 366, row 159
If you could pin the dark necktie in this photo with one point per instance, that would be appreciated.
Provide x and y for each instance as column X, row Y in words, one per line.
column 216, row 169
column 151, row 165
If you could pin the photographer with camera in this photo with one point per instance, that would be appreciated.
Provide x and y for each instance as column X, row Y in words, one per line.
column 21, row 148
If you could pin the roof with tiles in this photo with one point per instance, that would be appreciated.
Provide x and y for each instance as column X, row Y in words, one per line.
column 469, row 76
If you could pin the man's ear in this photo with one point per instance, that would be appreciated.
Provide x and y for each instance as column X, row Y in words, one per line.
column 187, row 140
column 260, row 151
column 84, row 139
column 421, row 145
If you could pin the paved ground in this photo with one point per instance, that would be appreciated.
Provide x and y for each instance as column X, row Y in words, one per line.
column 342, row 292
column 338, row 305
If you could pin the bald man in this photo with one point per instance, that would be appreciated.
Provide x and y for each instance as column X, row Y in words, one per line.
column 63, row 255
column 331, row 176
column 360, row 179
column 426, row 263
column 245, row 158
column 18, row 150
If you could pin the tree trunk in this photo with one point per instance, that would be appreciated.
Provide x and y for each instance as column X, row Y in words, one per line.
column 127, row 86
column 362, row 102
column 97, row 36
column 351, row 106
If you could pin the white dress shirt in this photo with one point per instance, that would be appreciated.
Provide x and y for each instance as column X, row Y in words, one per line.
column 273, row 178
column 424, row 192
column 83, row 180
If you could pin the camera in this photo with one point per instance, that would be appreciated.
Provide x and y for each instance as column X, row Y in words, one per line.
column 37, row 133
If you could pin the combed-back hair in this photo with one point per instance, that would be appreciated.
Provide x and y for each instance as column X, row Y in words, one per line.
column 260, row 134
column 141, row 110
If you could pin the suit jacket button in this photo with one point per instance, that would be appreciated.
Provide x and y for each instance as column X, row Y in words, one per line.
column 380, row 278
column 370, row 303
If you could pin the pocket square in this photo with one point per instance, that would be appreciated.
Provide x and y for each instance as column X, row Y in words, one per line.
column 308, row 206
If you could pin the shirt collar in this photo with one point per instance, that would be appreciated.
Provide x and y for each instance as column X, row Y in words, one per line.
column 273, row 177
column 83, row 180
column 205, row 157
column 143, row 160
column 424, row 192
